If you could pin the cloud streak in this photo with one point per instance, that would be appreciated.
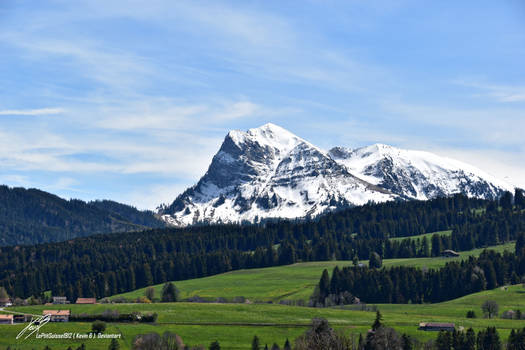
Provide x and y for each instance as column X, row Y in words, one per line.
column 497, row 92
column 35, row 112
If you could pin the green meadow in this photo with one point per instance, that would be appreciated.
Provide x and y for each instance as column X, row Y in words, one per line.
column 427, row 235
column 234, row 325
column 290, row 282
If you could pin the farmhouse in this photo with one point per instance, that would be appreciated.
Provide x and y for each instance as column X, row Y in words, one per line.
column 6, row 319
column 60, row 300
column 21, row 318
column 432, row 326
column 86, row 301
column 5, row 302
column 449, row 253
column 57, row 315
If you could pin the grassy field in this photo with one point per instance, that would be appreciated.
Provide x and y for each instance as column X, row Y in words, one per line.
column 234, row 325
column 290, row 282
column 427, row 235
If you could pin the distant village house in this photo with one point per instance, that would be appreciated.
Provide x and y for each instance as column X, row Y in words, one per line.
column 57, row 315
column 60, row 300
column 4, row 302
column 449, row 253
column 432, row 326
column 86, row 301
column 6, row 319
column 21, row 318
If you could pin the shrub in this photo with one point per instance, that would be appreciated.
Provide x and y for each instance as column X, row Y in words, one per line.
column 508, row 314
column 215, row 345
column 143, row 300
column 150, row 293
column 119, row 300
column 98, row 327
column 471, row 314
column 239, row 300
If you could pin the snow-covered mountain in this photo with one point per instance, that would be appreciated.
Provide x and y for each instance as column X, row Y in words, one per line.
column 268, row 172
column 417, row 174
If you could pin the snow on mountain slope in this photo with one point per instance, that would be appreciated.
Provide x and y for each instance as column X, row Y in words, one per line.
column 268, row 172
column 417, row 174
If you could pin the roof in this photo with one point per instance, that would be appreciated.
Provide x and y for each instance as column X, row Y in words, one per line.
column 86, row 301
column 59, row 297
column 6, row 317
column 56, row 312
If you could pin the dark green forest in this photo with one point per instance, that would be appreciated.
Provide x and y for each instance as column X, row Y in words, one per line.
column 409, row 284
column 104, row 265
column 31, row 216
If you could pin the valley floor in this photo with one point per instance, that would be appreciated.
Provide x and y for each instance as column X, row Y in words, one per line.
column 234, row 325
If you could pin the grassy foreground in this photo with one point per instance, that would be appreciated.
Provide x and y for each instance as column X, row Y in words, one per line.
column 234, row 325
column 290, row 282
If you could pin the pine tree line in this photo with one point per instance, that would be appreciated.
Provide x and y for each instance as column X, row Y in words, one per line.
column 104, row 265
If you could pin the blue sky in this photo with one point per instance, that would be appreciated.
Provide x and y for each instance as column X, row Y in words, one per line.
column 129, row 100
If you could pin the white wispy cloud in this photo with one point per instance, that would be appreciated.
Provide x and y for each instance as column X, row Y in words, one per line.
column 498, row 92
column 38, row 111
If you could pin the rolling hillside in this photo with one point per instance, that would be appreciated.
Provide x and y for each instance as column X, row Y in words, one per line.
column 289, row 282
column 31, row 216
column 234, row 325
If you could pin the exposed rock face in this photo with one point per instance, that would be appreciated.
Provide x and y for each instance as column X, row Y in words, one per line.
column 268, row 172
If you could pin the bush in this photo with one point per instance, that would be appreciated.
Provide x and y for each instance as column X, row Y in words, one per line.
column 239, row 300
column 98, row 327
column 143, row 300
column 120, row 300
column 196, row 299
column 471, row 314
column 168, row 341
column 114, row 316
column 215, row 345
column 508, row 314
column 150, row 293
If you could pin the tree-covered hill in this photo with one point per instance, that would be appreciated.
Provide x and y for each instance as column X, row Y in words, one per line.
column 31, row 216
column 105, row 265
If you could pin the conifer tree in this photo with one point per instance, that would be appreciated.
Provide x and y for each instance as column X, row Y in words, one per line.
column 324, row 285
column 375, row 261
column 506, row 201
column 256, row 343
column 170, row 293
column 470, row 340
column 519, row 198
column 377, row 323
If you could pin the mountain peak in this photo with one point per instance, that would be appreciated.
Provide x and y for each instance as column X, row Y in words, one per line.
column 269, row 172
column 271, row 127
column 267, row 135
